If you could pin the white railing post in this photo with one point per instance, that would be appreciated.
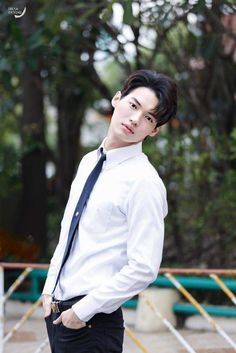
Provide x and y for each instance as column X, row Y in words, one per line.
column 1, row 308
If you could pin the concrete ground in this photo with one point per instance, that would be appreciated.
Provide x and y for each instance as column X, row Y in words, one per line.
column 197, row 333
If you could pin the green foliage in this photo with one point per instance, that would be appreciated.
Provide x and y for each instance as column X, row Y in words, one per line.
column 128, row 17
column 232, row 145
column 9, row 151
column 196, row 155
column 9, row 171
column 201, row 184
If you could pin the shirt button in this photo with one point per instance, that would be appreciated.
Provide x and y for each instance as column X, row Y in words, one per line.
column 89, row 326
column 77, row 213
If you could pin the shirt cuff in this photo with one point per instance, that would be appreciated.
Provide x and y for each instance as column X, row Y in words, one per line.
column 85, row 309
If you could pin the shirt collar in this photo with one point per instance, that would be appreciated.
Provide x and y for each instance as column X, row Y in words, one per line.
column 119, row 155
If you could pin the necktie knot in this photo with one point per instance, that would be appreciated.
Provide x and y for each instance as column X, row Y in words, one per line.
column 103, row 155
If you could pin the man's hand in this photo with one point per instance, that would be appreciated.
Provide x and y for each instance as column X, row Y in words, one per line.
column 47, row 299
column 70, row 320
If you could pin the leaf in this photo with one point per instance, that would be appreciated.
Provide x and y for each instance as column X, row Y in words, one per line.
column 106, row 13
column 4, row 65
column 128, row 17
column 211, row 46
column 19, row 67
column 200, row 5
column 16, row 32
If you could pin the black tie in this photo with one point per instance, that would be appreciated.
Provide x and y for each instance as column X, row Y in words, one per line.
column 88, row 186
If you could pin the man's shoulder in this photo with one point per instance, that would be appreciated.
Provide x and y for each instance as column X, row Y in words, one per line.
column 139, row 171
column 142, row 167
column 86, row 161
column 88, row 157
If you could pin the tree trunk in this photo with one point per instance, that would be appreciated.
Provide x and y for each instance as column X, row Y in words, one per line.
column 32, row 216
column 71, row 108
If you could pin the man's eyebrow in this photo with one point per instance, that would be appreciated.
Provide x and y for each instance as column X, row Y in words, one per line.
column 138, row 103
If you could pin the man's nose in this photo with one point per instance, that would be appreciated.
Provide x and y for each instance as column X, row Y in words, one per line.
column 135, row 119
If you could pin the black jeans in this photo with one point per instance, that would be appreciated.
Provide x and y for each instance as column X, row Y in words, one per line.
column 103, row 333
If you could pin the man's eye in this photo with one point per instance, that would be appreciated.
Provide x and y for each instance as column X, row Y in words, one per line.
column 149, row 118
column 133, row 106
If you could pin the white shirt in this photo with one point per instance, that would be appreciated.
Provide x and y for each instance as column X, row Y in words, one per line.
column 117, row 250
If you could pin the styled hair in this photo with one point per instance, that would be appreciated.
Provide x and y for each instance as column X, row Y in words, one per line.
column 164, row 88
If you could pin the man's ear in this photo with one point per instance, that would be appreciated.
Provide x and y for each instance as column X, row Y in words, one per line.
column 155, row 131
column 116, row 99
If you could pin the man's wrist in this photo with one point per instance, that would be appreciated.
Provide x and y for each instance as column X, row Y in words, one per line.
column 46, row 297
column 83, row 322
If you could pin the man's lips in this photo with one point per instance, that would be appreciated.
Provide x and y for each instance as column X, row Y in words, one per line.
column 128, row 128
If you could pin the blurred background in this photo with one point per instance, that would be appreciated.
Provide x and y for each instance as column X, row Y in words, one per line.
column 60, row 65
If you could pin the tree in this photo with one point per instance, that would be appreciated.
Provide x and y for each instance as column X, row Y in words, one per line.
column 75, row 50
column 30, row 221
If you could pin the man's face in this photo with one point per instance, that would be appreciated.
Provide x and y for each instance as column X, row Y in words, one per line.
column 132, row 119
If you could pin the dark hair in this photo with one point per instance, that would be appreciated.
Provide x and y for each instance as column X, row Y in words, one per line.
column 164, row 88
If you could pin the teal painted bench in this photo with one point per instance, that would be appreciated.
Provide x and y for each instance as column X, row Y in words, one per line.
column 189, row 309
column 200, row 283
column 36, row 278
column 214, row 310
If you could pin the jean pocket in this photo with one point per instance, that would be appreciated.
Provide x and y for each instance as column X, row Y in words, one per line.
column 73, row 329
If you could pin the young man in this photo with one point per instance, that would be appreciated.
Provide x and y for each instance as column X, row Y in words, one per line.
column 116, row 248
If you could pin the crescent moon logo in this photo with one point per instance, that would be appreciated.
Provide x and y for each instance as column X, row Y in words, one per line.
column 22, row 14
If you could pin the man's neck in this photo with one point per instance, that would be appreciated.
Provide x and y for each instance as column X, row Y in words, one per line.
column 110, row 144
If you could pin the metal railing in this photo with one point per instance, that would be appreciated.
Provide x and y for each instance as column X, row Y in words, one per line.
column 168, row 272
